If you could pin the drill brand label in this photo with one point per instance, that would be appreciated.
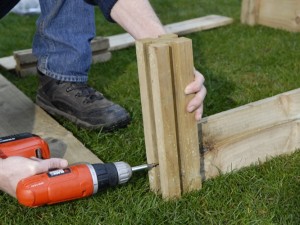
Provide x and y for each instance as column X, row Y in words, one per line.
column 55, row 173
column 36, row 184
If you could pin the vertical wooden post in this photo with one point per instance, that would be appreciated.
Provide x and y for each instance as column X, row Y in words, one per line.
column 171, row 134
column 250, row 12
column 164, row 111
column 147, row 111
column 187, row 130
column 142, row 52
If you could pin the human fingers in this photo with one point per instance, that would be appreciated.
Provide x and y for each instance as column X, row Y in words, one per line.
column 199, row 113
column 196, row 85
column 47, row 164
column 197, row 101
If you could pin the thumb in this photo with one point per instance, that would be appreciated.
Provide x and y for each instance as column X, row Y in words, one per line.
column 53, row 163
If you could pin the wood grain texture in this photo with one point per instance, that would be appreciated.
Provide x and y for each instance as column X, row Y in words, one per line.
column 280, row 14
column 187, row 131
column 142, row 52
column 168, row 61
column 250, row 134
column 250, row 11
column 165, row 121
column 142, row 55
column 272, row 13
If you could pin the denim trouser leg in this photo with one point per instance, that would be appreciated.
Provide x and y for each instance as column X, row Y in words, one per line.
column 62, row 39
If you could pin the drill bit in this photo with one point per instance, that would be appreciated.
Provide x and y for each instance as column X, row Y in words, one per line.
column 144, row 167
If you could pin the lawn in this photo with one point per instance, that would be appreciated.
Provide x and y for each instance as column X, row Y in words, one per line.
column 241, row 64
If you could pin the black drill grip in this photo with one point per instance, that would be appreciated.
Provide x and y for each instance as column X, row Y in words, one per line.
column 107, row 175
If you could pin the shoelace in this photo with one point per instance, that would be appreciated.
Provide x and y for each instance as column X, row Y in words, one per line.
column 86, row 91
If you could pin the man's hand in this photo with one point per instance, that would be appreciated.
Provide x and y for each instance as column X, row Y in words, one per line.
column 15, row 168
column 196, row 87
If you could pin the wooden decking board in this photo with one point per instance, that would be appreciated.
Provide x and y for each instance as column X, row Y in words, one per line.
column 19, row 114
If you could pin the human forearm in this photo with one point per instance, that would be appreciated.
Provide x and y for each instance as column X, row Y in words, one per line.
column 138, row 18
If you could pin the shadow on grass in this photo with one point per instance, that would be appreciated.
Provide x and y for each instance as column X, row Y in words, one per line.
column 218, row 96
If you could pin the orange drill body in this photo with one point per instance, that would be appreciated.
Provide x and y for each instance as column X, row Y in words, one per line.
column 25, row 145
column 56, row 186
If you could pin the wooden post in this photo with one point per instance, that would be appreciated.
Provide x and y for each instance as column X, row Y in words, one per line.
column 187, row 130
column 142, row 51
column 250, row 11
column 147, row 111
column 164, row 111
column 171, row 134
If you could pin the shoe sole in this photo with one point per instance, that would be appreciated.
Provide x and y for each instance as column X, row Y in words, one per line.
column 48, row 107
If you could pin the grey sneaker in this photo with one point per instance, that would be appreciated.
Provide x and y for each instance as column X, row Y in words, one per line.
column 81, row 104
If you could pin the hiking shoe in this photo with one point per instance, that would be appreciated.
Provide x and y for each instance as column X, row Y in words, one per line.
column 81, row 104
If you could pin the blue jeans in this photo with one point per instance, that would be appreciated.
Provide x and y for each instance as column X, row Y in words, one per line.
column 62, row 40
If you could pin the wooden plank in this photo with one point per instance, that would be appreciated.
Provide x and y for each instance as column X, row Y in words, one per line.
column 164, row 110
column 99, row 45
column 8, row 63
column 272, row 13
column 24, row 57
column 181, row 28
column 187, row 131
column 252, row 117
column 19, row 114
column 198, row 24
column 31, row 69
column 245, row 135
column 280, row 14
column 99, row 56
column 148, row 111
column 26, row 61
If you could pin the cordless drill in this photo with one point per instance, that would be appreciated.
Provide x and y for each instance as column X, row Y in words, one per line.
column 75, row 182
column 60, row 185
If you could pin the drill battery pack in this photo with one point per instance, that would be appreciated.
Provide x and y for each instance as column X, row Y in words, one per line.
column 24, row 144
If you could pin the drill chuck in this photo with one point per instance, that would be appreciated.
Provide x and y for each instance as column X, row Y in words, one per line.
column 124, row 171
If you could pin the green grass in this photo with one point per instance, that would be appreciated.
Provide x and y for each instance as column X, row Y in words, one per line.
column 241, row 64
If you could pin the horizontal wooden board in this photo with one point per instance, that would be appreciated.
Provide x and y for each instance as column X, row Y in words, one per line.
column 245, row 135
column 272, row 13
column 280, row 14
column 121, row 41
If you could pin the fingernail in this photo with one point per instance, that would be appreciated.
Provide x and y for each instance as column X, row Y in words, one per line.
column 186, row 91
column 198, row 117
column 64, row 163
